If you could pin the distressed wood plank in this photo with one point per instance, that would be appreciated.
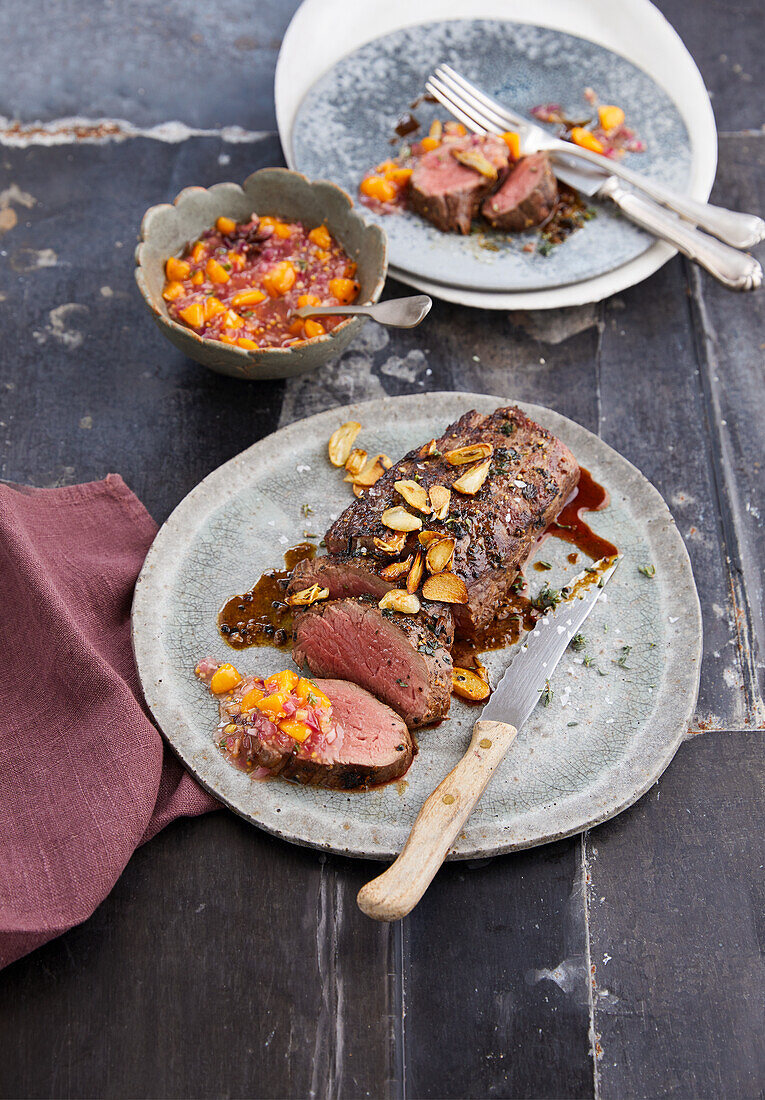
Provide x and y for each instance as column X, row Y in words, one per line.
column 224, row 963
column 91, row 384
column 495, row 980
column 730, row 333
column 725, row 42
column 676, row 901
column 653, row 412
column 550, row 359
column 142, row 61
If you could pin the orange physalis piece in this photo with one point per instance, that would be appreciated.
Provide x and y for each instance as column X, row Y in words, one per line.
column 224, row 679
column 375, row 187
column 294, row 728
column 177, row 269
column 585, row 139
column 345, row 290
column 173, row 291
column 320, row 236
column 213, row 307
column 283, row 681
column 247, row 298
column 273, row 705
column 280, row 278
column 251, row 699
column 610, row 117
column 513, row 142
column 216, row 273
column 193, row 315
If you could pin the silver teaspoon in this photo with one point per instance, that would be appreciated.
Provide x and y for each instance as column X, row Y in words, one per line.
column 398, row 312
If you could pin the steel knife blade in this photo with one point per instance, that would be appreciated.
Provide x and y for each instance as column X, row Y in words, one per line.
column 522, row 685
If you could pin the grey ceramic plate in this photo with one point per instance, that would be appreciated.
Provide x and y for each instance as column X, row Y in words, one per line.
column 344, row 124
column 602, row 741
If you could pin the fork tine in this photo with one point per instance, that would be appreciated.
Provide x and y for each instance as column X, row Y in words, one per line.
column 446, row 71
column 458, row 99
column 474, row 102
column 454, row 107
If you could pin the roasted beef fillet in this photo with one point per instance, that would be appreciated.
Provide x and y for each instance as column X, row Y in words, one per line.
column 530, row 477
column 366, row 745
column 403, row 660
column 447, row 192
column 526, row 198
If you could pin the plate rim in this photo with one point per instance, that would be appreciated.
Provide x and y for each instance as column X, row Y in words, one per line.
column 474, row 286
column 148, row 668
column 638, row 21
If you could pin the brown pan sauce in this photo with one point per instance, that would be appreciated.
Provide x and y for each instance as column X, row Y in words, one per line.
column 518, row 614
column 261, row 616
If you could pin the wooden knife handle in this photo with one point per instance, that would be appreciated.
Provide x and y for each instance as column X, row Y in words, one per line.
column 396, row 891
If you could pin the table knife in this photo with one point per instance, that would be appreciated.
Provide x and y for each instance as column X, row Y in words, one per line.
column 736, row 270
column 397, row 890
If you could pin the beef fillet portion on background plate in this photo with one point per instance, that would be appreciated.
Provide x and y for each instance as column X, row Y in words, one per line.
column 448, row 190
column 527, row 197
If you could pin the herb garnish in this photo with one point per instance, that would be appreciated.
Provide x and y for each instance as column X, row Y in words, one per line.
column 543, row 565
column 547, row 597
column 546, row 694
column 647, row 571
column 577, row 643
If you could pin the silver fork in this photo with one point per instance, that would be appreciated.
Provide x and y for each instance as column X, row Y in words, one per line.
column 734, row 269
column 736, row 229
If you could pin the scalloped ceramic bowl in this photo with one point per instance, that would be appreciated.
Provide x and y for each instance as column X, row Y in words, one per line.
column 167, row 229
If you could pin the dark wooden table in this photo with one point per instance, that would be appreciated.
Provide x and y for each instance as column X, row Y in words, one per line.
column 622, row 963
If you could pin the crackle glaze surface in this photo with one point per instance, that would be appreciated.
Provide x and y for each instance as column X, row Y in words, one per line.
column 607, row 734
column 344, row 124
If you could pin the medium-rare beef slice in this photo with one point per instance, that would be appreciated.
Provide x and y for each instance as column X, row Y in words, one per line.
column 531, row 476
column 366, row 745
column 398, row 658
column 449, row 193
column 526, row 198
column 346, row 575
column 343, row 574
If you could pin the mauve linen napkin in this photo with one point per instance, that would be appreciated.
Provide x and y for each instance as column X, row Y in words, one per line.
column 84, row 775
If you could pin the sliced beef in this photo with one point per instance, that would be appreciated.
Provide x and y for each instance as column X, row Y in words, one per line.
column 447, row 192
column 366, row 745
column 343, row 575
column 526, row 198
column 347, row 576
column 531, row 476
column 403, row 660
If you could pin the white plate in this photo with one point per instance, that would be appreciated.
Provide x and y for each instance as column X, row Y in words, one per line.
column 323, row 31
column 607, row 734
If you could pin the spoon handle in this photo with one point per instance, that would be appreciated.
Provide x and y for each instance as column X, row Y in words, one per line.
column 324, row 311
